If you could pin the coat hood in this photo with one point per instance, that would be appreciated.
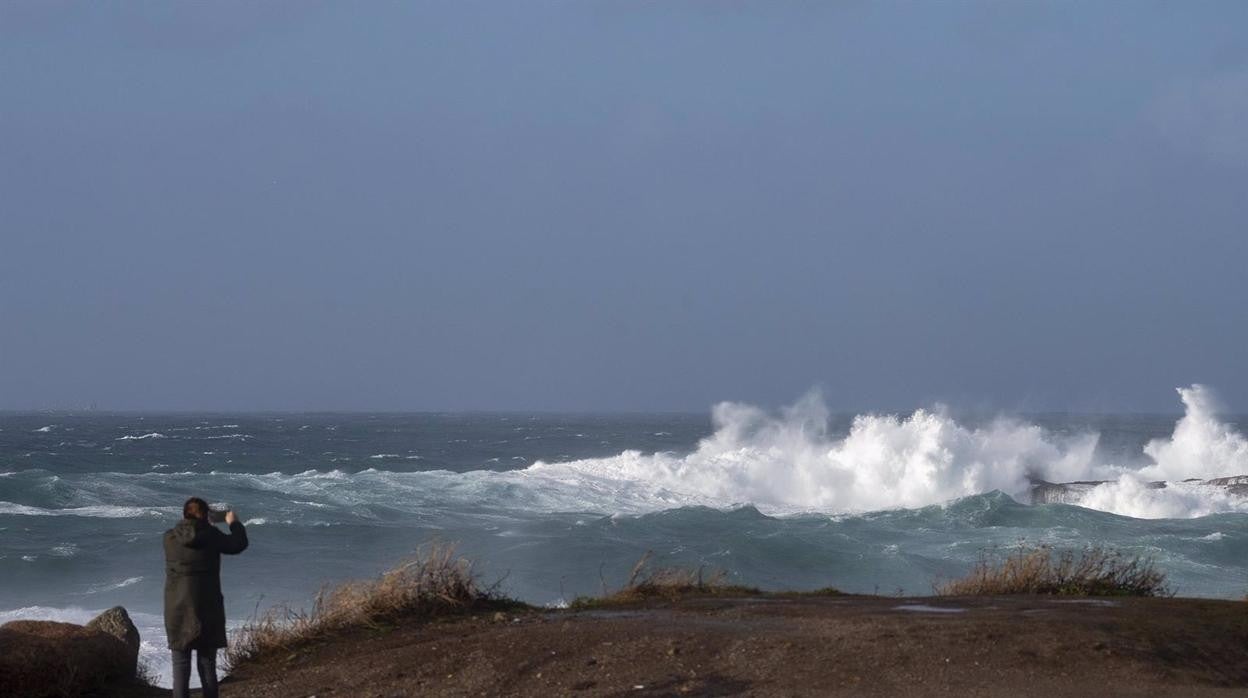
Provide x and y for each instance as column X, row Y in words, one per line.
column 186, row 531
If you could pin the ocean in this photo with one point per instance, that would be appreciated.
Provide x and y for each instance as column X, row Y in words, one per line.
column 552, row 506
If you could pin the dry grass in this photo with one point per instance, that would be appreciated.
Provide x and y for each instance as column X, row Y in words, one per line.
column 1093, row 571
column 648, row 582
column 431, row 584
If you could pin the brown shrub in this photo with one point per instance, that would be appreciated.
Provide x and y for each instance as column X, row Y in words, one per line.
column 433, row 584
column 647, row 582
column 1093, row 571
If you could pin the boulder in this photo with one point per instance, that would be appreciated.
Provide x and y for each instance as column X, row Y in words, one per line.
column 116, row 622
column 1073, row 492
column 41, row 658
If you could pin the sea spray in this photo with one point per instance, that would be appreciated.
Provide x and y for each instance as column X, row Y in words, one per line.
column 556, row 504
column 784, row 463
column 789, row 462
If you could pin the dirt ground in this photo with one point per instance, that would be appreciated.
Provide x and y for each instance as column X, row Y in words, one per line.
column 770, row 646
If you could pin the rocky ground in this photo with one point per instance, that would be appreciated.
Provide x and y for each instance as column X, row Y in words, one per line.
column 784, row 646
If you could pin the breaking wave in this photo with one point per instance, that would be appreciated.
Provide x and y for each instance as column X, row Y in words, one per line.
column 789, row 462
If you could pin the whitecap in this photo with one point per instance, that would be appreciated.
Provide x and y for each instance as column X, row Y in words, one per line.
column 112, row 586
column 149, row 435
column 44, row 430
column 99, row 511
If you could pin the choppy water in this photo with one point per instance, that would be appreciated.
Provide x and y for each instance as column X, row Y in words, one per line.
column 553, row 504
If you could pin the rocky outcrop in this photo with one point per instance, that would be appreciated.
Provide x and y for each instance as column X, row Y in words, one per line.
column 1237, row 485
column 1043, row 492
column 41, row 658
column 116, row 622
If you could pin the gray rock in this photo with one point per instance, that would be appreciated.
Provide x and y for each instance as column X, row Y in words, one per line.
column 116, row 622
column 1072, row 492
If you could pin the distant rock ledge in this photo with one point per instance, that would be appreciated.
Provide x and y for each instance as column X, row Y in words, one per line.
column 1043, row 492
column 41, row 658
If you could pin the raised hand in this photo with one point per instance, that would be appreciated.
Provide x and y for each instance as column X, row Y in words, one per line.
column 230, row 517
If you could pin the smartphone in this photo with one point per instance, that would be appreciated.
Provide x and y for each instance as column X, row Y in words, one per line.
column 216, row 516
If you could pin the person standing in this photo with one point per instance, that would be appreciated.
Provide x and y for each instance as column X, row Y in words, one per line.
column 194, row 606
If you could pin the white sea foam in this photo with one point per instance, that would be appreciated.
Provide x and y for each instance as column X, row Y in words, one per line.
column 112, row 586
column 782, row 463
column 788, row 462
column 98, row 512
column 1201, row 446
column 44, row 430
column 149, row 435
column 1131, row 495
column 61, row 615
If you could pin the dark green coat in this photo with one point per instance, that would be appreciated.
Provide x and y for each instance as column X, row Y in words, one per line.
column 194, row 607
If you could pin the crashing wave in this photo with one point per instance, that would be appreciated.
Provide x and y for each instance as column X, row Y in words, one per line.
column 1132, row 495
column 784, row 463
column 789, row 462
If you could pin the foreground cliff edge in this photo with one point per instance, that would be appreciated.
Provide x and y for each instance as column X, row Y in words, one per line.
column 785, row 645
column 780, row 645
column 1036, row 621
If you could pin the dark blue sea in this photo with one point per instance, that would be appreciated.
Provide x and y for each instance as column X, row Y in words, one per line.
column 555, row 506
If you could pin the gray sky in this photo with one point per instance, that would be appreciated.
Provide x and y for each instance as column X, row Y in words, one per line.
column 622, row 205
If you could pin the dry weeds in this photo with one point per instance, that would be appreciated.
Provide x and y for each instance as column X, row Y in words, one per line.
column 1092, row 571
column 431, row 584
column 648, row 582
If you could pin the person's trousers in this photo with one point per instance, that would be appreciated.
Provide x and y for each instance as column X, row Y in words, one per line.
column 206, row 661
